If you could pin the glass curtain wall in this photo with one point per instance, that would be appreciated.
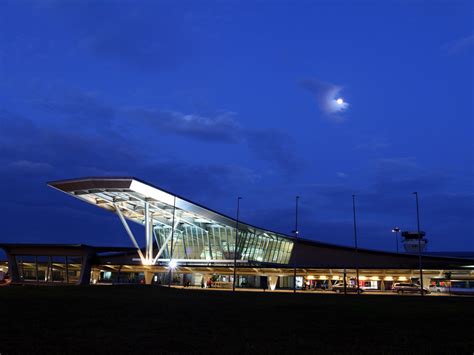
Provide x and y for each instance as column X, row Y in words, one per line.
column 49, row 269
column 205, row 241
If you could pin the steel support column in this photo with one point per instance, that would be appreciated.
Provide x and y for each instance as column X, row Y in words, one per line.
column 148, row 234
column 130, row 234
column 165, row 243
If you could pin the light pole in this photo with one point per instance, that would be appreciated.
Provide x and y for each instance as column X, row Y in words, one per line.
column 355, row 243
column 236, row 240
column 296, row 232
column 396, row 230
column 419, row 242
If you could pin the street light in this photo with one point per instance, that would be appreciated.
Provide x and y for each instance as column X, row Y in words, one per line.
column 396, row 230
column 419, row 242
column 355, row 243
column 296, row 232
column 236, row 241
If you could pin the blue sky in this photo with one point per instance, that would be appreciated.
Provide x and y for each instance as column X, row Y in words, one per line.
column 214, row 100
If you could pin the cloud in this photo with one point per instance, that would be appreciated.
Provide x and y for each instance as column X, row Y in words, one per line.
column 222, row 128
column 145, row 38
column 341, row 175
column 30, row 166
column 78, row 105
column 15, row 127
column 90, row 118
column 459, row 45
column 271, row 145
column 405, row 175
column 327, row 97
column 276, row 147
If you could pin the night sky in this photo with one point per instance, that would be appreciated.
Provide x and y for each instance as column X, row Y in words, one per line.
column 214, row 100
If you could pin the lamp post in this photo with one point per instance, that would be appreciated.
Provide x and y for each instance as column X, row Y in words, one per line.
column 355, row 243
column 236, row 241
column 396, row 230
column 419, row 242
column 296, row 232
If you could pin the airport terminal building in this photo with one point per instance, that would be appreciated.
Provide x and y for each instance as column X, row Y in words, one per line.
column 185, row 243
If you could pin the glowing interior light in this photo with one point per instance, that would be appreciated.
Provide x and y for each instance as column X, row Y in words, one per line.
column 340, row 101
column 173, row 263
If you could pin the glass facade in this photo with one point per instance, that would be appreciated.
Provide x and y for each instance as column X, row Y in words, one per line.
column 195, row 237
column 49, row 269
column 216, row 242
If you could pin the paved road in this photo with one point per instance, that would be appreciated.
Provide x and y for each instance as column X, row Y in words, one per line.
column 327, row 292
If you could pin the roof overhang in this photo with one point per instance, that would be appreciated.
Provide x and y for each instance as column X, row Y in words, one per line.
column 131, row 194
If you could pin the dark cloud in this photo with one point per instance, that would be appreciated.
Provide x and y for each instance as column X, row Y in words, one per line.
column 76, row 106
column 86, row 114
column 271, row 145
column 15, row 127
column 275, row 147
column 150, row 37
column 56, row 154
column 401, row 174
column 222, row 128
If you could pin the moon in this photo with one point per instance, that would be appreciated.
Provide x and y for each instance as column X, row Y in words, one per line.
column 340, row 101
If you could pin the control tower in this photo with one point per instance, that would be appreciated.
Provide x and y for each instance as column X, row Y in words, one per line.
column 410, row 241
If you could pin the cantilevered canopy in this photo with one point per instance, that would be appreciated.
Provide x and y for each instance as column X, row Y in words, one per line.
column 131, row 194
column 179, row 228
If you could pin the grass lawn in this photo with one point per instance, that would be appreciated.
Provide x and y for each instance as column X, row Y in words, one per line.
column 121, row 319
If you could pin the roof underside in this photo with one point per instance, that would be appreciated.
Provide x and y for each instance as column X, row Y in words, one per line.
column 131, row 194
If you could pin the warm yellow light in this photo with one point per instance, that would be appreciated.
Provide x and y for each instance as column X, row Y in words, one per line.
column 310, row 277
column 362, row 278
column 335, row 277
column 388, row 278
column 402, row 278
column 323, row 277
column 374, row 278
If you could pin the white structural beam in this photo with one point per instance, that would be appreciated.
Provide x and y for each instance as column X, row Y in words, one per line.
column 156, row 238
column 165, row 243
column 129, row 232
column 148, row 233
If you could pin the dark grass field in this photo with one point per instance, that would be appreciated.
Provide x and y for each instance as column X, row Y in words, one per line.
column 152, row 320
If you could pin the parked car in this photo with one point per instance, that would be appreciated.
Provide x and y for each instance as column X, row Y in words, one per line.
column 434, row 288
column 339, row 288
column 401, row 288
